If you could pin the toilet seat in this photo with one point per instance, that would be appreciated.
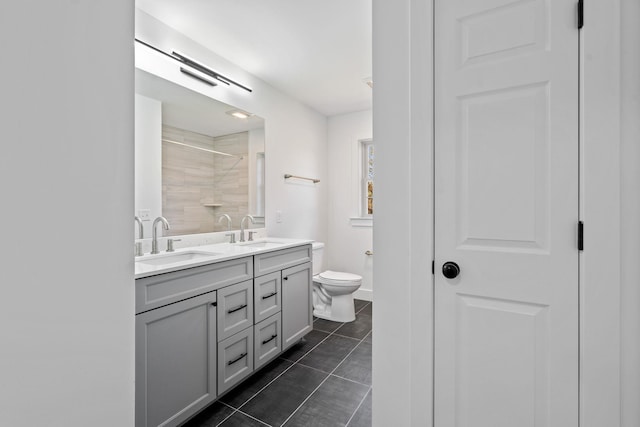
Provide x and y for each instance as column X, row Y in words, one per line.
column 337, row 278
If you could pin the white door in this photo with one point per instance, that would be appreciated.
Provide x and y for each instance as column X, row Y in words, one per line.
column 506, row 200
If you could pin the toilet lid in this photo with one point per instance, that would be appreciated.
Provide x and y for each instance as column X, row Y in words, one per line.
column 340, row 276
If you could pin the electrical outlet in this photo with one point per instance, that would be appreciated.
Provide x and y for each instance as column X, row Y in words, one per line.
column 144, row 214
column 278, row 216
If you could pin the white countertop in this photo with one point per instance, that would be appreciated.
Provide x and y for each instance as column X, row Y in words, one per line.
column 151, row 265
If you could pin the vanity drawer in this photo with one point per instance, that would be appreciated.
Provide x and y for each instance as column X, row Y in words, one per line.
column 156, row 291
column 277, row 260
column 235, row 359
column 235, row 308
column 267, row 296
column 268, row 341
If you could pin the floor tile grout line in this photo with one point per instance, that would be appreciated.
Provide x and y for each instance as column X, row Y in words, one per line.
column 283, row 372
column 361, row 402
column 323, row 381
column 228, row 416
column 254, row 418
column 350, row 380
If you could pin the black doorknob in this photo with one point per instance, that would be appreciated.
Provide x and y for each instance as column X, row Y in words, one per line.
column 450, row 270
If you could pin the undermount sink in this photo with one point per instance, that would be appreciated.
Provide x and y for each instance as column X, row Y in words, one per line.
column 174, row 258
column 262, row 244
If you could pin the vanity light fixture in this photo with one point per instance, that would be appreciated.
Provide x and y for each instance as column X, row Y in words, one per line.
column 239, row 114
column 208, row 71
column 197, row 66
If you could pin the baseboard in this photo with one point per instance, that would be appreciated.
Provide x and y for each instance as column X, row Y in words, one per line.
column 363, row 294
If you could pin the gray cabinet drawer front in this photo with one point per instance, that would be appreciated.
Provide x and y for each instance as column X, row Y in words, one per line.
column 267, row 296
column 235, row 359
column 277, row 260
column 175, row 361
column 156, row 291
column 268, row 340
column 235, row 308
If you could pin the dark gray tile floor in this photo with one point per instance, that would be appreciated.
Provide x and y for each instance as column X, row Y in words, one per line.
column 324, row 380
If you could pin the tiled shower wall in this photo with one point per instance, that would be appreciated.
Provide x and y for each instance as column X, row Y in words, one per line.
column 193, row 178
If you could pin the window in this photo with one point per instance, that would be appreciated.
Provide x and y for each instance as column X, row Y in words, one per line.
column 367, row 177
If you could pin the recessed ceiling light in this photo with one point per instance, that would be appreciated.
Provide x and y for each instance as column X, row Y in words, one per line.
column 239, row 114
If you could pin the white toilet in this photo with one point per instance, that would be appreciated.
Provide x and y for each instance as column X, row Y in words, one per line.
column 332, row 290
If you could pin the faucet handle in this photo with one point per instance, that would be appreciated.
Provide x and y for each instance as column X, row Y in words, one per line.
column 251, row 233
column 232, row 237
column 170, row 244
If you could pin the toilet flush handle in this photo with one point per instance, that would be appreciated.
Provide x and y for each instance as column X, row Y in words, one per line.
column 368, row 253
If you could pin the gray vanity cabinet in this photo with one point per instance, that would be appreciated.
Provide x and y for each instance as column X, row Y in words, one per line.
column 175, row 361
column 297, row 311
column 202, row 330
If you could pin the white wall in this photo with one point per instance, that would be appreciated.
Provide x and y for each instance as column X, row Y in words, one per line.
column 349, row 240
column 148, row 161
column 66, row 179
column 296, row 135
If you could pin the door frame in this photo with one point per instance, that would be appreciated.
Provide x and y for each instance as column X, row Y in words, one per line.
column 402, row 112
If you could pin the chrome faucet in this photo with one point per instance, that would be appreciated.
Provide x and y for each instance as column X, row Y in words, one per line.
column 140, row 229
column 253, row 221
column 154, row 242
column 228, row 218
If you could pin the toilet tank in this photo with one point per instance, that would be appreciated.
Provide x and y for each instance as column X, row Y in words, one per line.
column 317, row 249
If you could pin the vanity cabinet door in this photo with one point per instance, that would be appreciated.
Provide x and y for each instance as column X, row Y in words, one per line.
column 235, row 309
column 267, row 296
column 297, row 312
column 175, row 361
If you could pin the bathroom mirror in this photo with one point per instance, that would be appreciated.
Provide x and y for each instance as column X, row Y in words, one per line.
column 196, row 163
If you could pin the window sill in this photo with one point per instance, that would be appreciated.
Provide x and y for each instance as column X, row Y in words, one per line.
column 361, row 221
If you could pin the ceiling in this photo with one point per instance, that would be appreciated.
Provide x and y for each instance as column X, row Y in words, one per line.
column 317, row 51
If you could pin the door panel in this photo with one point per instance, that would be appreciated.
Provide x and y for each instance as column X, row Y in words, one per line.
column 506, row 198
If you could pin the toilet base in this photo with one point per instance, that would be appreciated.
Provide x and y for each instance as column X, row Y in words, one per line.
column 341, row 309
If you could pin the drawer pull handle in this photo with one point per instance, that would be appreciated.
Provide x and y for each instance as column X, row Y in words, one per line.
column 242, row 356
column 238, row 308
column 270, row 295
column 273, row 337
